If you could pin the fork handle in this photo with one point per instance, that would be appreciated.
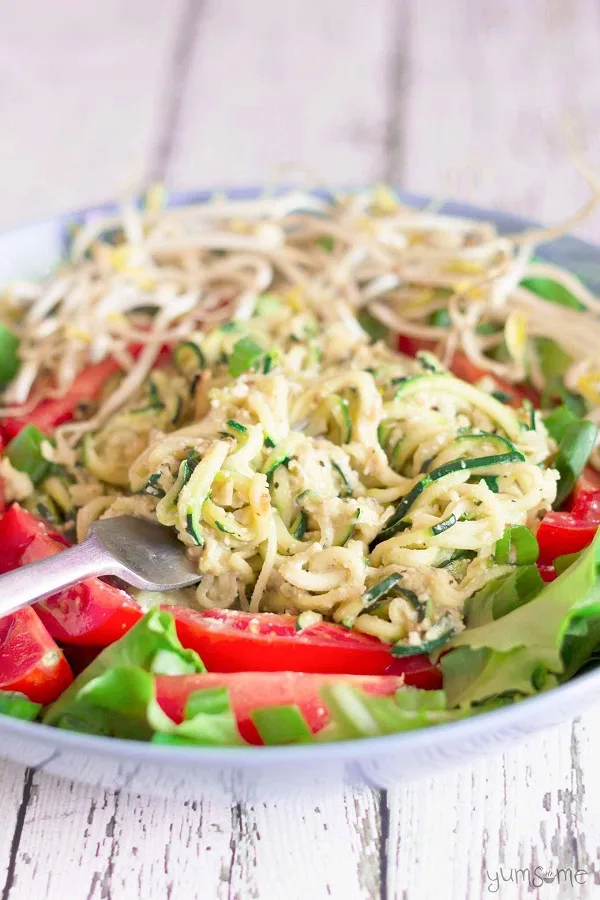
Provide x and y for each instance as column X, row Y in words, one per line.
column 41, row 579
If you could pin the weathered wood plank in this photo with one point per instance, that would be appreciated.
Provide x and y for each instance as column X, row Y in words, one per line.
column 65, row 845
column 95, row 844
column 533, row 807
column 15, row 790
column 80, row 92
column 285, row 83
column 489, row 87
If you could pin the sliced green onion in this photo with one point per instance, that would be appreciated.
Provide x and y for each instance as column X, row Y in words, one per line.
column 374, row 328
column 440, row 318
column 18, row 706
column 326, row 243
column 267, row 305
column 281, row 725
column 211, row 701
column 518, row 545
column 25, row 454
column 559, row 420
column 573, row 452
column 412, row 698
column 307, row 619
column 9, row 357
column 553, row 291
column 246, row 355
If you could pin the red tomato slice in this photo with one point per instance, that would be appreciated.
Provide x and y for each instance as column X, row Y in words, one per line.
column 563, row 532
column 575, row 528
column 30, row 661
column 230, row 641
column 251, row 690
column 2, row 500
column 584, row 502
column 547, row 571
column 48, row 414
column 92, row 613
column 462, row 367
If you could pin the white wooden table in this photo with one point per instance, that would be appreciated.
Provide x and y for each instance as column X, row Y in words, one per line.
column 453, row 97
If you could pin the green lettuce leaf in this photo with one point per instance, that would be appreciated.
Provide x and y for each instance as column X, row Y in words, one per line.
column 474, row 676
column 554, row 632
column 559, row 420
column 281, row 725
column 209, row 720
column 112, row 694
column 356, row 713
column 501, row 596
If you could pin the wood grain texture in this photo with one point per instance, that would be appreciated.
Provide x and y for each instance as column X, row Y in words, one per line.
column 291, row 83
column 489, row 90
column 463, row 98
column 528, row 809
column 80, row 88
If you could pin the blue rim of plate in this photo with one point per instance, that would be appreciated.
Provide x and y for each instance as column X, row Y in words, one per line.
column 575, row 254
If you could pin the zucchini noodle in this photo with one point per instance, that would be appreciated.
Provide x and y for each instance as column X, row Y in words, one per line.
column 300, row 458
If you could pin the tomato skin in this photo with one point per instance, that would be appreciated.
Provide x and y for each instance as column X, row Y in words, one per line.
column 30, row 661
column 417, row 671
column 49, row 414
column 573, row 529
column 250, row 690
column 2, row 497
column 547, row 571
column 92, row 613
column 231, row 641
column 87, row 385
column 561, row 533
column 584, row 502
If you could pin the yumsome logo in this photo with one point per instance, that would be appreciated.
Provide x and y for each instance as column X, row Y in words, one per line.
column 535, row 877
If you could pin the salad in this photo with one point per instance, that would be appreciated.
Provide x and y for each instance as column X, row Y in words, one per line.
column 374, row 429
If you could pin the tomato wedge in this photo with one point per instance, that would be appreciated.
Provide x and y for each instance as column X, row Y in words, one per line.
column 571, row 530
column 92, row 613
column 462, row 367
column 251, row 690
column 230, row 641
column 48, row 414
column 547, row 571
column 584, row 502
column 2, row 495
column 563, row 532
column 30, row 661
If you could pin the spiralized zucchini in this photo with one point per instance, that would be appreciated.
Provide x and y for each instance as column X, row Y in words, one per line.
column 301, row 462
column 286, row 489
